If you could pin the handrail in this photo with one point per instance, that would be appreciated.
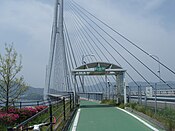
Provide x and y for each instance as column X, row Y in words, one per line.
column 31, row 118
column 61, row 106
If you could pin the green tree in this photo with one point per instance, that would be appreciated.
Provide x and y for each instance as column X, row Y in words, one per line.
column 12, row 86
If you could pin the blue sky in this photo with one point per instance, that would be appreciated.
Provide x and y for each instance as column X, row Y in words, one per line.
column 27, row 23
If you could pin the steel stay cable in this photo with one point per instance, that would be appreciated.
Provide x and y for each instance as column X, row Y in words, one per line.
column 91, row 45
column 96, row 45
column 79, row 53
column 79, row 45
column 124, row 49
column 73, row 67
column 80, row 62
column 115, row 50
column 94, row 48
column 69, row 59
column 72, row 51
column 69, row 54
column 66, row 73
column 112, row 56
column 126, row 39
column 78, row 32
column 110, row 53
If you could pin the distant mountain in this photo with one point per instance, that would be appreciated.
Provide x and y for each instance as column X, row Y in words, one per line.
column 37, row 93
column 35, row 90
column 33, row 94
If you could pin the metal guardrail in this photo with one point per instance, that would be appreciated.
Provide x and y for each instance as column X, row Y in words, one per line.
column 158, row 103
column 21, row 104
column 170, row 92
column 58, row 110
column 159, row 98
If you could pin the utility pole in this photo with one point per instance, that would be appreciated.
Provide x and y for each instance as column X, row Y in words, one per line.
column 109, row 88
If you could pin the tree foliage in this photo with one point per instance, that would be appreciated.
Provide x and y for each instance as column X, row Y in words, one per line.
column 11, row 85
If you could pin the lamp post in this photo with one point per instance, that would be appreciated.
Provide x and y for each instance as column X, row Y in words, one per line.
column 84, row 62
column 156, row 83
column 109, row 88
column 83, row 57
column 158, row 65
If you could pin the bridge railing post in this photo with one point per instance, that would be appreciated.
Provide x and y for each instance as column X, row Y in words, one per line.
column 145, row 100
column 37, row 103
column 50, row 113
column 64, row 108
column 20, row 104
column 57, row 102
column 73, row 101
column 70, row 102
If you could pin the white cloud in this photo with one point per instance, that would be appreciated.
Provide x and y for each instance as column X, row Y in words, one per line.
column 141, row 24
column 153, row 4
column 28, row 25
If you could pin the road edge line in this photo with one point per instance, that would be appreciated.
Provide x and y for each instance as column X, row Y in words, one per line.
column 142, row 121
column 74, row 128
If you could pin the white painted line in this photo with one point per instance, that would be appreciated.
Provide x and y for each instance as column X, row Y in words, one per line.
column 145, row 123
column 76, row 120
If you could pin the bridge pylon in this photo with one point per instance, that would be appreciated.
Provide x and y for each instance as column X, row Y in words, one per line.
column 57, row 69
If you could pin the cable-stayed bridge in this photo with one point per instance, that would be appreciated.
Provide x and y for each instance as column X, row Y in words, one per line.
column 78, row 37
column 89, row 56
column 91, row 59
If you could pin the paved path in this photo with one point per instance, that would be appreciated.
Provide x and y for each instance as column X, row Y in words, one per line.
column 97, row 117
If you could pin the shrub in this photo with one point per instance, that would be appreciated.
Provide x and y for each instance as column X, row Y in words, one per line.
column 149, row 112
column 8, row 118
column 165, row 116
column 127, row 105
column 109, row 102
column 122, row 106
column 40, row 108
column 133, row 105
column 140, row 108
column 14, row 110
column 16, row 115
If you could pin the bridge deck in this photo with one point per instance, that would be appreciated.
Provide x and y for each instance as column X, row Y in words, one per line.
column 97, row 117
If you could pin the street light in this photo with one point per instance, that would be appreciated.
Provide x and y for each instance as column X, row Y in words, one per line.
column 83, row 57
column 158, row 65
column 155, row 83
column 109, row 88
column 84, row 62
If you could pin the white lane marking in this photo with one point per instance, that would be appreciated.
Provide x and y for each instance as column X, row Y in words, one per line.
column 76, row 120
column 145, row 123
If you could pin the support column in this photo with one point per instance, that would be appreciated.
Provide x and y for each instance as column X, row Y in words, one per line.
column 106, row 86
column 120, row 86
column 75, row 91
column 125, row 98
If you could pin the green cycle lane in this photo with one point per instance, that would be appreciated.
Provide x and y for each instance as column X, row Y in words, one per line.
column 98, row 117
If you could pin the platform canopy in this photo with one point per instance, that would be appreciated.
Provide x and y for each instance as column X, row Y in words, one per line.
column 98, row 68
